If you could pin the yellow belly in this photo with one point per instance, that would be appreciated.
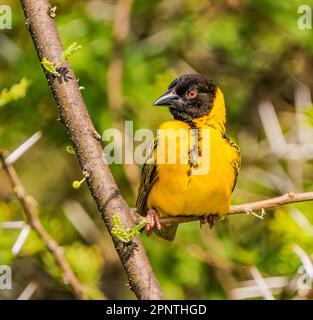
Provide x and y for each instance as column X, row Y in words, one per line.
column 177, row 192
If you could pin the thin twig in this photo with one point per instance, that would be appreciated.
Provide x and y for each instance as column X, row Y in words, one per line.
column 28, row 291
column 24, row 147
column 28, row 204
column 252, row 207
column 21, row 240
column 85, row 139
column 266, row 292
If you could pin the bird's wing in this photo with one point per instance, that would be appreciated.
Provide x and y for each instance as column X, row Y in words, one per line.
column 149, row 175
column 236, row 160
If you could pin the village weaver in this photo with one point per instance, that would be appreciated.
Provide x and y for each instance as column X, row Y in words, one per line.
column 171, row 189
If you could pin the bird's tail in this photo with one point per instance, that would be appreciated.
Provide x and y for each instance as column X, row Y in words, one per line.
column 167, row 232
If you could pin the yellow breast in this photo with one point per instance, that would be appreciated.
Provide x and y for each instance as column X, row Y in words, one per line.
column 180, row 191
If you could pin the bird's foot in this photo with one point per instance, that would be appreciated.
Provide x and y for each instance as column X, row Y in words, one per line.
column 210, row 219
column 152, row 221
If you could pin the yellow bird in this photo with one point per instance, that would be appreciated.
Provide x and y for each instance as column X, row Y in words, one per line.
column 187, row 186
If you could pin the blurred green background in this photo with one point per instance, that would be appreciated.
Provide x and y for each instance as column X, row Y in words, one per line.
column 131, row 50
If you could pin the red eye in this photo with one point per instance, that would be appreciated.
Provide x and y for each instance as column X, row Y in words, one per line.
column 192, row 94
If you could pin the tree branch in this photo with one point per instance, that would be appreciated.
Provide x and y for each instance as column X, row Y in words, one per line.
column 252, row 207
column 85, row 139
column 28, row 204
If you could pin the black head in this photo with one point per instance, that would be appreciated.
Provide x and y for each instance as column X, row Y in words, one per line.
column 190, row 96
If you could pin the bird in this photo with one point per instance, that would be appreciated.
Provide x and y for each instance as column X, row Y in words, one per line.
column 176, row 189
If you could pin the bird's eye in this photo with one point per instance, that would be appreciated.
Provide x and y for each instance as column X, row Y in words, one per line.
column 192, row 94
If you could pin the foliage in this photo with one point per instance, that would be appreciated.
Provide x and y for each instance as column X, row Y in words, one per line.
column 126, row 234
column 252, row 49
column 69, row 51
column 49, row 66
column 52, row 68
column 16, row 92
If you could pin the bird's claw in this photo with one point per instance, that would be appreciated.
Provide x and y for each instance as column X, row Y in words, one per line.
column 152, row 221
column 210, row 219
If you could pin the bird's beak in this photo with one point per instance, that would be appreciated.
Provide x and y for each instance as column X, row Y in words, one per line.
column 169, row 98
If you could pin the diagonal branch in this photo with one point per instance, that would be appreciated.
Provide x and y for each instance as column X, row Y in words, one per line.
column 30, row 210
column 85, row 139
